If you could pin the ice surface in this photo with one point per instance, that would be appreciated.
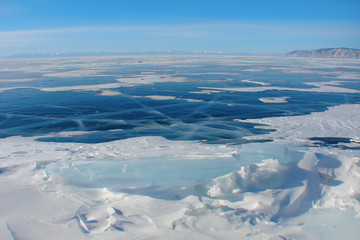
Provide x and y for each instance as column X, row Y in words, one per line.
column 147, row 147
column 120, row 97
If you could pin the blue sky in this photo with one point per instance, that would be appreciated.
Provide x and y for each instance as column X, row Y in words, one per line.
column 255, row 26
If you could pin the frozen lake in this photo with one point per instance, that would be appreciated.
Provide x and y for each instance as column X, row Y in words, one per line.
column 179, row 99
column 163, row 147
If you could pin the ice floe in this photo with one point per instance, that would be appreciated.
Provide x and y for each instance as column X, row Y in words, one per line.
column 274, row 100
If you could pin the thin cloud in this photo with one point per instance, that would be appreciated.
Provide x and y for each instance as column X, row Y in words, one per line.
column 306, row 28
column 215, row 35
column 44, row 31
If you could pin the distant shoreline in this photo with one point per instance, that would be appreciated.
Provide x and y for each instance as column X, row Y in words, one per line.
column 347, row 53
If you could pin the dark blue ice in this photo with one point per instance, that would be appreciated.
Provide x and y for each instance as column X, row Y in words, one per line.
column 28, row 111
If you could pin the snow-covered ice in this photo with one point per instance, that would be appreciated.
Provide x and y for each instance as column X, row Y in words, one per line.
column 82, row 191
column 274, row 100
column 340, row 121
column 182, row 151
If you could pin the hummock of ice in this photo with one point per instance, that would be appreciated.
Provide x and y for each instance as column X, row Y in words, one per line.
column 256, row 177
column 179, row 175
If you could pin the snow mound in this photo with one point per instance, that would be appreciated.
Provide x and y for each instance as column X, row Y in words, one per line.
column 256, row 177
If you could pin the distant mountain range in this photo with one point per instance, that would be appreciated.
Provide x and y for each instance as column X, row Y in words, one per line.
column 327, row 53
